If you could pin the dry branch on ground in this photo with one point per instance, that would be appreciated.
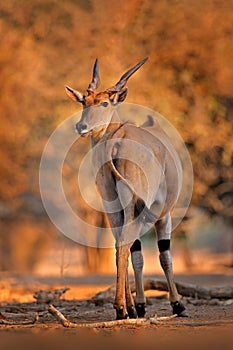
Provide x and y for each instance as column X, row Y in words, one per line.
column 16, row 319
column 184, row 289
column 191, row 290
column 108, row 324
column 43, row 296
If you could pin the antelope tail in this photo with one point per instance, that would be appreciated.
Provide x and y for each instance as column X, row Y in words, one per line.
column 140, row 208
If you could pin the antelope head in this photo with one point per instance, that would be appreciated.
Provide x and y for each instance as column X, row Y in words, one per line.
column 98, row 107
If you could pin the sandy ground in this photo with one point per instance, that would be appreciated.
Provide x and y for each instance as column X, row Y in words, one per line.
column 209, row 325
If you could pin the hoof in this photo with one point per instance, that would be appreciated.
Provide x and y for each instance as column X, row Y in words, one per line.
column 141, row 309
column 179, row 309
column 121, row 314
column 184, row 314
column 132, row 313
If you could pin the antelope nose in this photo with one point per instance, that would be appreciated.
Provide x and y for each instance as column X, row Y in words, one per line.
column 81, row 127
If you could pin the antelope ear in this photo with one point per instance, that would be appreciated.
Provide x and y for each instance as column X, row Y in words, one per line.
column 74, row 94
column 119, row 96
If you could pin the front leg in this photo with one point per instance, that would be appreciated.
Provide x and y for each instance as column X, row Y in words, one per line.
column 122, row 255
column 130, row 231
column 132, row 313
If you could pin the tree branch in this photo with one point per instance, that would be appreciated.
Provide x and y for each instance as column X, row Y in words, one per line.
column 107, row 324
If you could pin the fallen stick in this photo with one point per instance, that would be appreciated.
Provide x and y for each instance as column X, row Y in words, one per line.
column 204, row 323
column 191, row 290
column 43, row 296
column 107, row 324
column 19, row 323
column 25, row 308
column 184, row 289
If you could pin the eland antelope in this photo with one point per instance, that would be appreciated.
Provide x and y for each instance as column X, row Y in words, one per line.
column 139, row 178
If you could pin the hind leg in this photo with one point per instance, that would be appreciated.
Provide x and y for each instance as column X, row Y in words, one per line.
column 163, row 228
column 137, row 262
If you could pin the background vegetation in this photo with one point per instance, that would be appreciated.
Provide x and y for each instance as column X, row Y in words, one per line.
column 188, row 79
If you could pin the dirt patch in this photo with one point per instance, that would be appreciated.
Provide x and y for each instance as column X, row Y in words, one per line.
column 209, row 324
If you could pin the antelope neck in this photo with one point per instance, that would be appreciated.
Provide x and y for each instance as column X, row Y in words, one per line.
column 111, row 128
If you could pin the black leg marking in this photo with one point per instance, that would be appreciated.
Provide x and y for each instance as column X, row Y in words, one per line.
column 136, row 246
column 164, row 244
column 179, row 309
column 132, row 312
column 141, row 309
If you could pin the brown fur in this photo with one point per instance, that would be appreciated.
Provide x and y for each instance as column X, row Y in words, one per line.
column 139, row 171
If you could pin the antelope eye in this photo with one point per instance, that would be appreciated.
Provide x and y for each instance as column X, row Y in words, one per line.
column 105, row 104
